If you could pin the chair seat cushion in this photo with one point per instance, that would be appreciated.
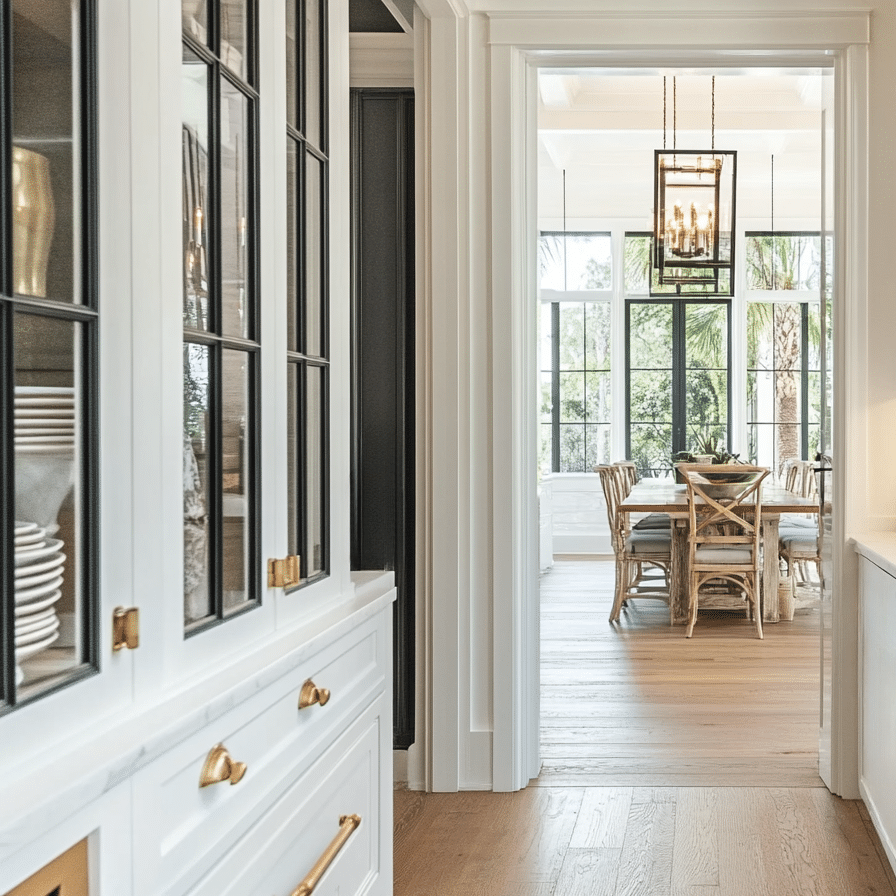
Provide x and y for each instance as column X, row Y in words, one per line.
column 654, row 521
column 651, row 541
column 792, row 521
column 721, row 554
column 796, row 542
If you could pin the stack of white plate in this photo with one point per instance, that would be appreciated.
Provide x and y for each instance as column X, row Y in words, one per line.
column 38, row 578
column 44, row 419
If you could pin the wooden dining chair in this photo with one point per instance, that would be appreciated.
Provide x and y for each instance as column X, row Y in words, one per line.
column 723, row 538
column 798, row 534
column 643, row 559
column 630, row 478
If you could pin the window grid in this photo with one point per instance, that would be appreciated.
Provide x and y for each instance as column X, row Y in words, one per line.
column 226, row 338
column 307, row 355
column 78, row 308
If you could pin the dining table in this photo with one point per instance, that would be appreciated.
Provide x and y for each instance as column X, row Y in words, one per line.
column 667, row 496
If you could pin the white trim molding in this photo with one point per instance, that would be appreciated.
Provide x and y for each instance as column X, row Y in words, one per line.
column 479, row 234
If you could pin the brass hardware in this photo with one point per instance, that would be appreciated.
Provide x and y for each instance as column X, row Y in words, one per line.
column 347, row 826
column 125, row 628
column 220, row 767
column 311, row 694
column 283, row 573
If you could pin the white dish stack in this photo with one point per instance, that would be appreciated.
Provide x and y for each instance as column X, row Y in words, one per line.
column 38, row 579
column 44, row 437
column 44, row 419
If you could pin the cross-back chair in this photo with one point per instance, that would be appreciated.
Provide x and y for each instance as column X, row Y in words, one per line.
column 723, row 538
column 798, row 538
column 643, row 559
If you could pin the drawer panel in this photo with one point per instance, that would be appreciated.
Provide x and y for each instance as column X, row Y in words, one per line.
column 282, row 848
column 182, row 828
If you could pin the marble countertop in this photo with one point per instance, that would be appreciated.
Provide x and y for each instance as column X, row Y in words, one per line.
column 878, row 547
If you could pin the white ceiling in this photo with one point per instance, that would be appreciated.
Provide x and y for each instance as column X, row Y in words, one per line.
column 603, row 126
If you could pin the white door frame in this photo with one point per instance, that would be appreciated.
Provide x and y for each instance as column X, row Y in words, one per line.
column 517, row 47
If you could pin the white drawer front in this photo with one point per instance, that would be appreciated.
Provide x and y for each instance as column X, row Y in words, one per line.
column 181, row 829
column 278, row 852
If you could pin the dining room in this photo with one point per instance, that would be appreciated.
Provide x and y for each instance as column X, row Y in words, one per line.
column 725, row 363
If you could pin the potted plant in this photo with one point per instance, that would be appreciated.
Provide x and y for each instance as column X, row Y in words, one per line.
column 709, row 451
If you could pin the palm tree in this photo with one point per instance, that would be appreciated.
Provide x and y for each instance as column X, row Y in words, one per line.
column 776, row 262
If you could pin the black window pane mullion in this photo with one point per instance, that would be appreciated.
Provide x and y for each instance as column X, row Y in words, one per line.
column 214, row 199
column 804, row 379
column 555, row 386
column 89, row 250
column 214, row 488
column 679, row 381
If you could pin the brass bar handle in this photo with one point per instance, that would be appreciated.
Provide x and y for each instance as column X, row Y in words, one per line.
column 347, row 826
column 219, row 766
column 311, row 694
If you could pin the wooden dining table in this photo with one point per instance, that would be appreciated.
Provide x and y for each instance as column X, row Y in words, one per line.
column 667, row 496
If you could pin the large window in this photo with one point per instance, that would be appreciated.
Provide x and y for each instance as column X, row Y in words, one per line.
column 575, row 290
column 785, row 272
column 677, row 369
column 49, row 333
column 307, row 292
column 220, row 310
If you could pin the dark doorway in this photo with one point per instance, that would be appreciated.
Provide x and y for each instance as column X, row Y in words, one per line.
column 383, row 364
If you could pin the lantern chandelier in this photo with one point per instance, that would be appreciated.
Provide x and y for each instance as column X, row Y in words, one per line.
column 693, row 227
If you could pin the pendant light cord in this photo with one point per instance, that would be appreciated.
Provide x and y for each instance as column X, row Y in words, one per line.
column 564, row 230
column 713, row 113
column 664, row 113
column 774, row 266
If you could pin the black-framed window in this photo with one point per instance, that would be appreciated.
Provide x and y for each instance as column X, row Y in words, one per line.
column 307, row 358
column 787, row 368
column 221, row 351
column 678, row 368
column 49, row 334
column 575, row 288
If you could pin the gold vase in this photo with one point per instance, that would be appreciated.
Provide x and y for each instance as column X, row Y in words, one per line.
column 34, row 217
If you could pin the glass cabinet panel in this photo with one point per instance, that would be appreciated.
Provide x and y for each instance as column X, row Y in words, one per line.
column 235, row 36
column 196, row 192
column 48, row 331
column 314, row 257
column 307, row 255
column 51, row 615
column 220, row 383
column 315, row 554
column 45, row 159
column 234, row 222
column 197, row 497
column 315, row 21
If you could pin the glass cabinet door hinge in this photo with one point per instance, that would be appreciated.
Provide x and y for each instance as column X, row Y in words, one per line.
column 125, row 628
column 283, row 573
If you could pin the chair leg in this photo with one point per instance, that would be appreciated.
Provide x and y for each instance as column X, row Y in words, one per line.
column 754, row 598
column 692, row 606
column 619, row 591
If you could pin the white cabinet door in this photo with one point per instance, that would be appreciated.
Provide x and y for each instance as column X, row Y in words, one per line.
column 105, row 824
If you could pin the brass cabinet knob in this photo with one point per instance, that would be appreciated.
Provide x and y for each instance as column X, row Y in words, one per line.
column 311, row 694
column 219, row 766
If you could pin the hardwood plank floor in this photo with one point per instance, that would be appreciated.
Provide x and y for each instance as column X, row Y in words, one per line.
column 670, row 768
column 638, row 704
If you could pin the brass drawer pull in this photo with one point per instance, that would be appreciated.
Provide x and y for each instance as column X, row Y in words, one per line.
column 220, row 767
column 347, row 825
column 311, row 694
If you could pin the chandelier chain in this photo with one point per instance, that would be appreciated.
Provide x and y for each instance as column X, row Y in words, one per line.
column 713, row 113
column 664, row 112
column 674, row 113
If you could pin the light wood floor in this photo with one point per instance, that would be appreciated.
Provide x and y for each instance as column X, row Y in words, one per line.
column 671, row 768
column 638, row 704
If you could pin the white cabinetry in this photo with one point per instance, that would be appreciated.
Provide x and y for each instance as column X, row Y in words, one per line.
column 877, row 779
column 133, row 788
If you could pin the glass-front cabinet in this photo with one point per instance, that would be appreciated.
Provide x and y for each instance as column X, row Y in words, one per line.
column 221, row 349
column 49, row 330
